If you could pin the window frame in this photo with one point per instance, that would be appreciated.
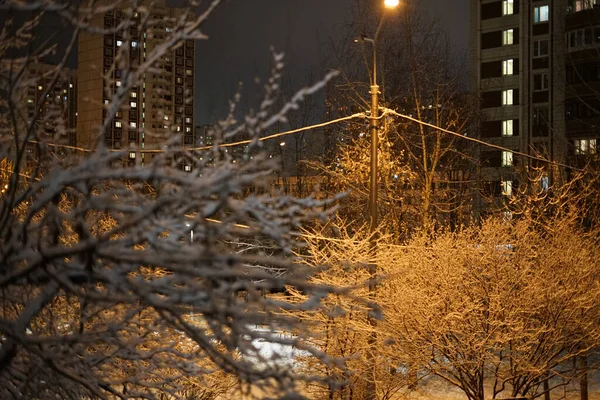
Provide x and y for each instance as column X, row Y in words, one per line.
column 507, row 158
column 508, row 97
column 508, row 38
column 508, row 67
column 537, row 45
column 539, row 12
column 544, row 80
column 508, row 126
column 508, row 7
column 507, row 188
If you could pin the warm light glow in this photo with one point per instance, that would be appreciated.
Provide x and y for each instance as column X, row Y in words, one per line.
column 391, row 3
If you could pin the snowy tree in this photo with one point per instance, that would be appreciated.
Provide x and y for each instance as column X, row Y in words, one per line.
column 342, row 327
column 510, row 304
column 426, row 176
column 119, row 279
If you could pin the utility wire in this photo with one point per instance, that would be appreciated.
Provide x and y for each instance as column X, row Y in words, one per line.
column 386, row 111
column 481, row 142
column 239, row 143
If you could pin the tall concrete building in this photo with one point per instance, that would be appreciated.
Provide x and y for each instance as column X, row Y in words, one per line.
column 53, row 104
column 535, row 65
column 160, row 106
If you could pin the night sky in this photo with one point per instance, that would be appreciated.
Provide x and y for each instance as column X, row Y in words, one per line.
column 242, row 31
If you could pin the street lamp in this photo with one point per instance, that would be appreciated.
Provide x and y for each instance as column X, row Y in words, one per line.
column 389, row 4
column 374, row 126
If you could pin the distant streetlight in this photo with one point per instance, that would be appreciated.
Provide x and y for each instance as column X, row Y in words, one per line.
column 391, row 3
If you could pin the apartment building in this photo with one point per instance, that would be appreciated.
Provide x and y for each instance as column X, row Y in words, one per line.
column 159, row 107
column 52, row 103
column 535, row 67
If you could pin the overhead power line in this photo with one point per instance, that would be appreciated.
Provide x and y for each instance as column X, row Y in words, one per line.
column 385, row 112
column 481, row 142
column 238, row 143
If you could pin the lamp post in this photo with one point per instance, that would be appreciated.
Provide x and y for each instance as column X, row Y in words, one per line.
column 374, row 128
column 374, row 125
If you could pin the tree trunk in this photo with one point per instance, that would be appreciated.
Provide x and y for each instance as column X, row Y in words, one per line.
column 583, row 380
column 546, row 389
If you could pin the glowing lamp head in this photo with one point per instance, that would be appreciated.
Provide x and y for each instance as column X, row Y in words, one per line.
column 391, row 3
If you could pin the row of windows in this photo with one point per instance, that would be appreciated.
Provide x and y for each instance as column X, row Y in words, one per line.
column 189, row 52
column 110, row 42
column 495, row 159
column 577, row 109
column 509, row 7
column 504, row 128
column 583, row 73
column 584, row 146
column 580, row 5
column 118, row 134
column 189, row 62
column 495, row 39
column 495, row 69
column 507, row 97
column 188, row 81
column 583, row 37
column 179, row 71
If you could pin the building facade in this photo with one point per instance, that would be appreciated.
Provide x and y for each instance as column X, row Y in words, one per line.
column 534, row 64
column 159, row 106
column 52, row 104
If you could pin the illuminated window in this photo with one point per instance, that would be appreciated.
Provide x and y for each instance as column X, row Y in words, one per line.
column 508, row 7
column 119, row 43
column 187, row 168
column 545, row 183
column 580, row 5
column 118, row 83
column 118, row 124
column 541, row 13
column 132, row 154
column 188, row 72
column 40, row 87
column 188, row 120
column 188, row 129
column 585, row 146
column 507, row 187
column 134, row 94
column 134, row 44
column 507, row 97
column 507, row 127
column 133, row 104
column 507, row 158
column 507, row 67
column 133, row 124
column 507, row 37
